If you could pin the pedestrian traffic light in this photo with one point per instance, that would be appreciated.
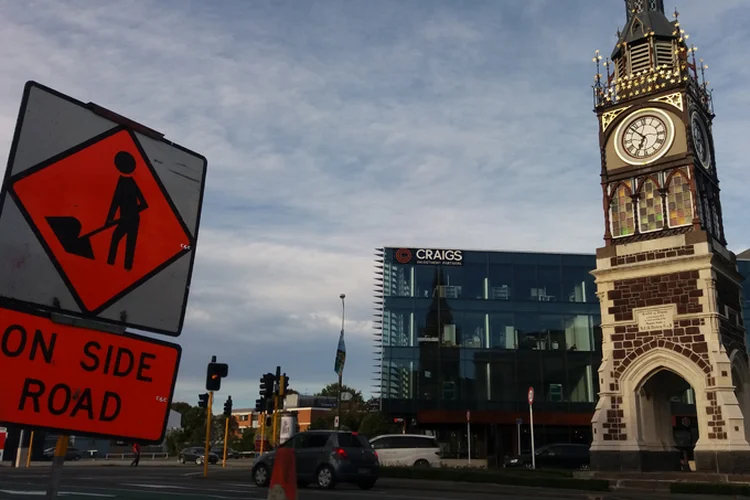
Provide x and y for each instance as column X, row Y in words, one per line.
column 260, row 405
column 266, row 386
column 283, row 385
column 228, row 407
column 203, row 400
column 214, row 374
column 269, row 420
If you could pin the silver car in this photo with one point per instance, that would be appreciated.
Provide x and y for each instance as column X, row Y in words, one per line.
column 325, row 458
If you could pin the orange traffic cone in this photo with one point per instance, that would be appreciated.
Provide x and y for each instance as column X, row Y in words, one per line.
column 284, row 477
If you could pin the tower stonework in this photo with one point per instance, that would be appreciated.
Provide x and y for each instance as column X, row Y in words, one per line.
column 669, row 288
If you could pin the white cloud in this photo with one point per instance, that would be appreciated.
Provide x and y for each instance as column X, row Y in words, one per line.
column 332, row 128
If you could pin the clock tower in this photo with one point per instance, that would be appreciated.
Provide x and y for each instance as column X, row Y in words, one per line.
column 675, row 370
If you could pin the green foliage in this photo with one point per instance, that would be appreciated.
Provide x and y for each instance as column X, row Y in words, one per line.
column 515, row 478
column 377, row 424
column 193, row 431
column 246, row 441
column 332, row 391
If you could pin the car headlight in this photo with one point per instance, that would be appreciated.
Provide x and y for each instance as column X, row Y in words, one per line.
column 514, row 460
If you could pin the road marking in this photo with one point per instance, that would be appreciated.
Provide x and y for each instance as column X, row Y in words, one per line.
column 156, row 486
column 61, row 493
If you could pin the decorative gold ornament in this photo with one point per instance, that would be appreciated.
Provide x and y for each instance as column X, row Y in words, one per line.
column 609, row 116
column 672, row 99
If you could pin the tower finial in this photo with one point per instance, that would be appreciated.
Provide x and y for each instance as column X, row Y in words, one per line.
column 676, row 14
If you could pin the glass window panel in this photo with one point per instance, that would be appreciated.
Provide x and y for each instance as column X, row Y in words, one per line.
column 464, row 282
column 679, row 201
column 621, row 213
column 579, row 333
column 426, row 279
column 475, row 372
column 553, row 377
column 449, row 375
column 503, row 377
column 397, row 328
column 650, row 211
column 397, row 280
column 578, row 283
column 429, row 369
column 398, row 378
column 502, row 331
column 549, row 283
column 525, row 283
column 500, row 282
column 528, row 373
column 551, row 333
column 527, row 330
column 580, row 387
column 471, row 329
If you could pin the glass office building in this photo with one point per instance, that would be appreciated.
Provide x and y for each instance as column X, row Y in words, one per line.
column 464, row 335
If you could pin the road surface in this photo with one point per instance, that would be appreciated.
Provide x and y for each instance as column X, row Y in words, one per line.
column 171, row 482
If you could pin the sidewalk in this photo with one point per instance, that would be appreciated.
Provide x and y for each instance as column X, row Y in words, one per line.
column 158, row 462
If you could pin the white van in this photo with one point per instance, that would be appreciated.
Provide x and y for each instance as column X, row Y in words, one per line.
column 407, row 450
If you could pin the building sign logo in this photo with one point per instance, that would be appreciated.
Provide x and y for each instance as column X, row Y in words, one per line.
column 403, row 255
column 429, row 256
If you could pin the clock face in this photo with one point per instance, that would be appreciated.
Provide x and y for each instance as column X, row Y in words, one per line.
column 644, row 137
column 700, row 140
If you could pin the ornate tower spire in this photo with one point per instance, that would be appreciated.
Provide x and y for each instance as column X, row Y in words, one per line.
column 640, row 6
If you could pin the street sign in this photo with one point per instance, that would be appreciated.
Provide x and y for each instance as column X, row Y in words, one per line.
column 101, row 215
column 531, row 395
column 84, row 382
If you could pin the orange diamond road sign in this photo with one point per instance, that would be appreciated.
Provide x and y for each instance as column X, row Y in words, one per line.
column 103, row 217
column 86, row 382
column 99, row 216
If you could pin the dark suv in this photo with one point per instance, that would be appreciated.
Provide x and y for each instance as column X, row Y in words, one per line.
column 325, row 458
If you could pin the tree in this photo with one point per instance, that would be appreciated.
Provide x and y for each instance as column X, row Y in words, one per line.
column 246, row 441
column 332, row 390
column 377, row 424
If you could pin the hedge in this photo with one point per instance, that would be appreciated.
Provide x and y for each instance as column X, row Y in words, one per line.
column 544, row 479
column 711, row 489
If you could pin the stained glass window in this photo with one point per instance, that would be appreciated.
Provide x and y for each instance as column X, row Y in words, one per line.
column 679, row 201
column 621, row 213
column 650, row 211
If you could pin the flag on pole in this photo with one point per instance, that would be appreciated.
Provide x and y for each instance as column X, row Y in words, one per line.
column 338, row 366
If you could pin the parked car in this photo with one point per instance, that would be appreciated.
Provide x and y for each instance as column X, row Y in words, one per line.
column 325, row 458
column 196, row 454
column 407, row 450
column 72, row 453
column 554, row 456
column 219, row 450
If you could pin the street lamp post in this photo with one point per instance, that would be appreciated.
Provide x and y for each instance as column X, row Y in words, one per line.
column 341, row 370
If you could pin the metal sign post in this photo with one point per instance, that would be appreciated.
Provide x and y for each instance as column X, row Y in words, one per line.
column 61, row 449
column 468, row 432
column 531, row 426
column 519, row 421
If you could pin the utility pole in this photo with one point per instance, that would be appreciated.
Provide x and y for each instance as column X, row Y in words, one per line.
column 341, row 352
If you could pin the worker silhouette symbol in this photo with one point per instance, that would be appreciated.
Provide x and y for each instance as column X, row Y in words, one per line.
column 127, row 203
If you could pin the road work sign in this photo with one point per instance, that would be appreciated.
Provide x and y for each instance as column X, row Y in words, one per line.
column 84, row 382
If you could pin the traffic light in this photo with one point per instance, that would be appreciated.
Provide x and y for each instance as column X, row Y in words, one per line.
column 266, row 386
column 260, row 405
column 283, row 385
column 203, row 400
column 214, row 374
column 228, row 407
column 269, row 421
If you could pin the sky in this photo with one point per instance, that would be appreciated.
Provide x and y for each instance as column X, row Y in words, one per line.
column 335, row 127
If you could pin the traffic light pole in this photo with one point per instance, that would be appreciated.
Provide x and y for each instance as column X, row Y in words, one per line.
column 226, row 434
column 208, row 431
column 275, row 415
column 262, row 428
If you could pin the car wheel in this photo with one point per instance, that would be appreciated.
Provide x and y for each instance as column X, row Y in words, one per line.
column 528, row 466
column 181, row 460
column 261, row 476
column 421, row 463
column 366, row 484
column 585, row 467
column 198, row 461
column 326, row 478
column 76, row 458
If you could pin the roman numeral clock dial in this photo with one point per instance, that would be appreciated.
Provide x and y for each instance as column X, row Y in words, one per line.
column 644, row 137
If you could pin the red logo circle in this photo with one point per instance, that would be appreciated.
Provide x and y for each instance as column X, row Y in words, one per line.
column 403, row 255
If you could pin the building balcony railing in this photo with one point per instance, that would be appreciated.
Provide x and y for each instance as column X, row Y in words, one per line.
column 619, row 90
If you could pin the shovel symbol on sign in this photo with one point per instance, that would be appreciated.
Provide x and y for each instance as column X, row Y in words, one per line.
column 127, row 200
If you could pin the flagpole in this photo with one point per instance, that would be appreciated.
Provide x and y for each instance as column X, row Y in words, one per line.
column 341, row 369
